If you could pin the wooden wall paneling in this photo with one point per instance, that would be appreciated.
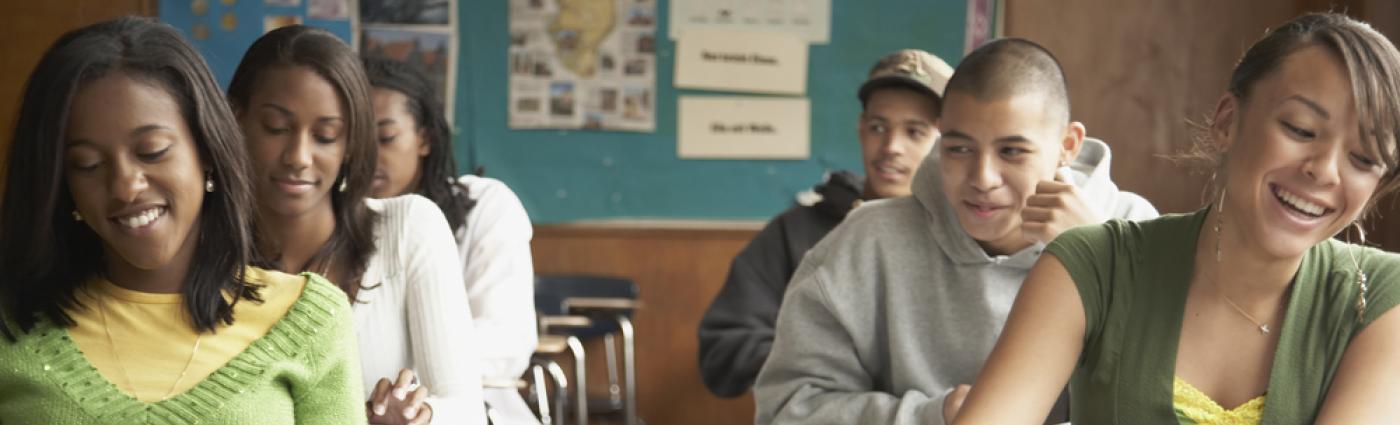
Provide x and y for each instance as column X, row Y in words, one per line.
column 1138, row 71
column 678, row 271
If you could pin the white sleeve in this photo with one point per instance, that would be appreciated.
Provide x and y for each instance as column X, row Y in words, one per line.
column 500, row 279
column 445, row 347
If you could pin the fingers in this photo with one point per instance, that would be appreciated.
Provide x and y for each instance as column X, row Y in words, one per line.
column 1064, row 175
column 425, row 415
column 379, row 399
column 404, row 384
column 1037, row 232
column 1055, row 200
column 1037, row 214
column 953, row 403
column 415, row 403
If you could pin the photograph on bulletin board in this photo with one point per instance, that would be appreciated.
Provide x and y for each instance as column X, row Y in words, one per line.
column 405, row 12
column 328, row 9
column 984, row 23
column 430, row 52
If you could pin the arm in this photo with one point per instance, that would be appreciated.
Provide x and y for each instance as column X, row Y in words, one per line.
column 737, row 330
column 816, row 374
column 439, row 317
column 500, row 281
column 1036, row 353
column 1368, row 377
column 333, row 395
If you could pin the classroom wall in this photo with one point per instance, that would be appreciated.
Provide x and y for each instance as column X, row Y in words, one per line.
column 571, row 175
column 1141, row 72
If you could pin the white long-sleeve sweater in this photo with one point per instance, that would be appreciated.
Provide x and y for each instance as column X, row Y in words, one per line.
column 413, row 312
column 494, row 248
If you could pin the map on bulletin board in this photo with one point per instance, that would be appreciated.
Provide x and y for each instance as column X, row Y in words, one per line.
column 583, row 64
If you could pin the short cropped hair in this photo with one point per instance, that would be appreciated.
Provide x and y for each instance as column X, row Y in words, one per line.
column 1013, row 66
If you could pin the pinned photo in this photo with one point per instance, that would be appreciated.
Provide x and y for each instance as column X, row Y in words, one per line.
column 412, row 12
column 636, row 103
column 635, row 67
column 425, row 50
column 272, row 22
column 561, row 98
column 328, row 9
column 641, row 16
column 527, row 104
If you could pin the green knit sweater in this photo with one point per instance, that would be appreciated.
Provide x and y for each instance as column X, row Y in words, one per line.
column 305, row 370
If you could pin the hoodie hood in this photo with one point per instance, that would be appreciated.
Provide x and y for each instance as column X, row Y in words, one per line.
column 836, row 196
column 1089, row 172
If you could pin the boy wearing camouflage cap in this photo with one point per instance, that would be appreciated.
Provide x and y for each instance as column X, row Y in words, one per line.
column 900, row 99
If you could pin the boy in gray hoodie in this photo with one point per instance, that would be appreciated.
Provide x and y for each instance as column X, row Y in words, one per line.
column 903, row 301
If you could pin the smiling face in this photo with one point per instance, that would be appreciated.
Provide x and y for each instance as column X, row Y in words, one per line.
column 993, row 154
column 1298, row 170
column 402, row 145
column 295, row 126
column 133, row 170
column 897, row 130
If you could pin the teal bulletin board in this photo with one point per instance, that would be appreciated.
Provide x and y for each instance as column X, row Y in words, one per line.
column 577, row 175
column 224, row 47
column 573, row 175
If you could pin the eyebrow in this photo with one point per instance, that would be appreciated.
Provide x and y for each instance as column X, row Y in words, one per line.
column 1311, row 104
column 384, row 122
column 1015, row 138
column 288, row 112
column 138, row 132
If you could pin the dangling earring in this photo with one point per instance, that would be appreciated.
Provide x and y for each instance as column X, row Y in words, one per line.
column 208, row 184
column 1361, row 282
column 1219, row 218
column 77, row 216
column 342, row 184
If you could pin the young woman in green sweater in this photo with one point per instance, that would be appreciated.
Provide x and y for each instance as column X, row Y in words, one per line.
column 127, row 294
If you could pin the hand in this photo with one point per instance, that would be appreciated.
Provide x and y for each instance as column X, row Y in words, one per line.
column 1055, row 207
column 954, row 401
column 401, row 402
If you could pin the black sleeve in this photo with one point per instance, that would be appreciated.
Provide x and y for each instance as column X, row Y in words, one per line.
column 736, row 332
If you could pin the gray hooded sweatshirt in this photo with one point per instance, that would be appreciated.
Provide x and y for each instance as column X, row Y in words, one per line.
column 898, row 305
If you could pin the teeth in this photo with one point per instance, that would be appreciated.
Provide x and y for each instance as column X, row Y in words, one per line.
column 1299, row 203
column 142, row 219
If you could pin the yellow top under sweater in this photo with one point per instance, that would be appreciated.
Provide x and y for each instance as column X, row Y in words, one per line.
column 157, row 326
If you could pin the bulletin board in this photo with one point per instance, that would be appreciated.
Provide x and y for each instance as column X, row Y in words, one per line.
column 568, row 175
column 223, row 29
column 576, row 175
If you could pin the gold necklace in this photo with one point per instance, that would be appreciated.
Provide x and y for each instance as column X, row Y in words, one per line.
column 131, row 389
column 1263, row 327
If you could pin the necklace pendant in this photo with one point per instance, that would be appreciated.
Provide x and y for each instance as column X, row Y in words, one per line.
column 1264, row 329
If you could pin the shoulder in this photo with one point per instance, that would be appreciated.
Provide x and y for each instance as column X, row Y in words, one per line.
column 403, row 206
column 275, row 284
column 877, row 232
column 483, row 189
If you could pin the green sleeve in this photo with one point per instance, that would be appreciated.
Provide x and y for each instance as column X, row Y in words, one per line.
column 1383, row 281
column 334, row 392
column 1087, row 252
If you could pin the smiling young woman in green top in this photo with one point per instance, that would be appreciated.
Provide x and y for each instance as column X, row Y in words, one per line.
column 1247, row 311
column 127, row 294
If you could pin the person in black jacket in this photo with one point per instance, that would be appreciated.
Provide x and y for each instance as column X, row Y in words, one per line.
column 901, row 101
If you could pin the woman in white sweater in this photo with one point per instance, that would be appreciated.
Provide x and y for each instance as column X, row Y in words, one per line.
column 303, row 102
column 492, row 229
